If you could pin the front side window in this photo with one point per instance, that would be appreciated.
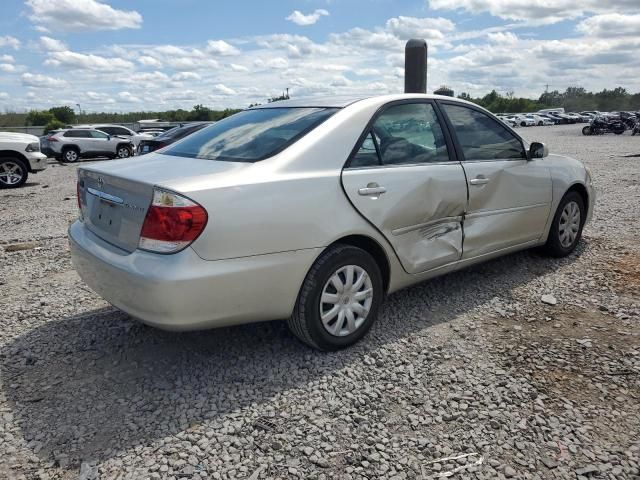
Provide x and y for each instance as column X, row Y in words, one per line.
column 481, row 137
column 251, row 135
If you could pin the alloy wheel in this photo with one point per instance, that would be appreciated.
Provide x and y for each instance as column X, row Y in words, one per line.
column 124, row 152
column 346, row 300
column 10, row 173
column 569, row 224
column 71, row 156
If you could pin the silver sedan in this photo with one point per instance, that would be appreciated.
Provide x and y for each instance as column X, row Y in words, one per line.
column 313, row 210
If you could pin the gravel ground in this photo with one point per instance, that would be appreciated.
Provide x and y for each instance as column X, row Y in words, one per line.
column 471, row 373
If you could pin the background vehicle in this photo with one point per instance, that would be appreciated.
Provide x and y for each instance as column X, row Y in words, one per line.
column 75, row 143
column 119, row 131
column 601, row 124
column 170, row 136
column 341, row 200
column 19, row 155
column 539, row 119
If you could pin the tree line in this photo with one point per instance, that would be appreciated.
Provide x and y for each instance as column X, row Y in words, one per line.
column 573, row 99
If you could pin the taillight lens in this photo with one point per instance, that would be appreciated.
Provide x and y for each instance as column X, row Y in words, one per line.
column 172, row 223
column 79, row 186
column 52, row 139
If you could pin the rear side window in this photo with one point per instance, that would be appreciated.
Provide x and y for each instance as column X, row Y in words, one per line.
column 77, row 134
column 97, row 134
column 482, row 137
column 251, row 135
column 405, row 134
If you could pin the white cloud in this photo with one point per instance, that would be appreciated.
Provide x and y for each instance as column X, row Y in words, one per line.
column 74, row 60
column 537, row 11
column 8, row 41
column 301, row 19
column 81, row 15
column 220, row 47
column 52, row 45
column 41, row 81
column 220, row 88
column 4, row 95
column 238, row 68
column 150, row 62
column 128, row 97
column 360, row 37
column 7, row 67
column 610, row 25
column 180, row 76
column 427, row 28
column 502, row 38
column 7, row 59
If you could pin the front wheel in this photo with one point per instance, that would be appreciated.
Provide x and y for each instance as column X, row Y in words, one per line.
column 566, row 229
column 13, row 173
column 586, row 130
column 124, row 151
column 339, row 299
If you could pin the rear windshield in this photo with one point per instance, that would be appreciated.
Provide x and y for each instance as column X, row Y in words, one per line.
column 251, row 135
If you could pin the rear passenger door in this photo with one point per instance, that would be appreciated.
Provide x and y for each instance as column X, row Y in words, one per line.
column 403, row 177
column 509, row 194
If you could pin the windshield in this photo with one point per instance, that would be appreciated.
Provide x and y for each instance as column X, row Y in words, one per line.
column 251, row 135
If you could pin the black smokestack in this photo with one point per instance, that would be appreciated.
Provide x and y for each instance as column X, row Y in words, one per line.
column 415, row 66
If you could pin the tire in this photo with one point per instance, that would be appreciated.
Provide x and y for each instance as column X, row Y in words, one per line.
column 586, row 130
column 619, row 131
column 70, row 155
column 124, row 151
column 540, row 124
column 337, row 261
column 556, row 246
column 13, row 172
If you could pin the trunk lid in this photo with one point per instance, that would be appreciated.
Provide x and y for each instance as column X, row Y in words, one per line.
column 117, row 194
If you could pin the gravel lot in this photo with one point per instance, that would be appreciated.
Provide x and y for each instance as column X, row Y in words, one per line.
column 471, row 373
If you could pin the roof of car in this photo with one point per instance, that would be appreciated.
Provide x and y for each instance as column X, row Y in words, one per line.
column 340, row 101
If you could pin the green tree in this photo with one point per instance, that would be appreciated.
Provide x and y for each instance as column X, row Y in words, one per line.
column 38, row 117
column 54, row 124
column 65, row 114
column 199, row 113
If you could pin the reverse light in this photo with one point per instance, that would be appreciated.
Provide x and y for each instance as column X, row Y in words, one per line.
column 172, row 223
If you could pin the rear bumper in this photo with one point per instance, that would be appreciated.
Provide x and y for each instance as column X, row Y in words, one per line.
column 185, row 292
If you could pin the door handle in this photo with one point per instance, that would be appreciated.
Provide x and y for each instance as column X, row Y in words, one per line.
column 372, row 189
column 479, row 181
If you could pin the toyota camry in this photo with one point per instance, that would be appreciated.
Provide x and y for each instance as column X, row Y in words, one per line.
column 313, row 210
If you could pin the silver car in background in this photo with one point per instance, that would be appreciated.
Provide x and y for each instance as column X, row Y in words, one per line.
column 70, row 145
column 313, row 210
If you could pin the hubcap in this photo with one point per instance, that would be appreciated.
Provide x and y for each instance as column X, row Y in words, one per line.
column 123, row 152
column 346, row 300
column 71, row 156
column 10, row 173
column 569, row 224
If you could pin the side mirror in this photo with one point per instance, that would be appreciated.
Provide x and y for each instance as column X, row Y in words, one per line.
column 538, row 150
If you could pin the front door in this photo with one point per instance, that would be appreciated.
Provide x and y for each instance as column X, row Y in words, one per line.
column 404, row 179
column 509, row 195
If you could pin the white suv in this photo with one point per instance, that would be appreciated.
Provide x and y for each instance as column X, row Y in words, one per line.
column 72, row 144
column 119, row 131
column 19, row 155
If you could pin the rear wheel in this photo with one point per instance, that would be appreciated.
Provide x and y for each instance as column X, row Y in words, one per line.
column 13, row 172
column 70, row 155
column 566, row 229
column 586, row 130
column 339, row 299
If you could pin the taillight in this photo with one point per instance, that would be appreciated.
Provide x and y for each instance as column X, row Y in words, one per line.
column 172, row 223
column 79, row 185
column 52, row 139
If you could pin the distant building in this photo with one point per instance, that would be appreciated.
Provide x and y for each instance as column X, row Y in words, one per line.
column 444, row 90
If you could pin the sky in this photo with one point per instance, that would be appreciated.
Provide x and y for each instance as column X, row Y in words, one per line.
column 117, row 55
